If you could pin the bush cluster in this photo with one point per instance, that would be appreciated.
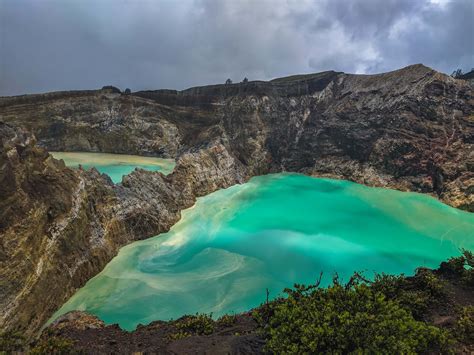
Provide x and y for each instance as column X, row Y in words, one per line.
column 464, row 328
column 386, row 315
column 11, row 342
column 199, row 324
column 355, row 319
column 53, row 345
column 227, row 320
column 462, row 266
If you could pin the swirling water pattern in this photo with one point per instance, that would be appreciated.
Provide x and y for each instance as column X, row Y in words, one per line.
column 271, row 232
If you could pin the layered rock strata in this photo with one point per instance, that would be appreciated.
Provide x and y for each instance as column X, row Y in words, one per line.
column 59, row 227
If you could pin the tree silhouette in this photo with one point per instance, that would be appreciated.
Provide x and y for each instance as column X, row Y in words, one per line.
column 228, row 81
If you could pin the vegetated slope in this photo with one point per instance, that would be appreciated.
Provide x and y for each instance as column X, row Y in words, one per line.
column 431, row 312
column 411, row 129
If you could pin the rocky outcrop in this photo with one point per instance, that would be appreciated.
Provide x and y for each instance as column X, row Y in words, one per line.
column 59, row 227
column 237, row 334
column 412, row 129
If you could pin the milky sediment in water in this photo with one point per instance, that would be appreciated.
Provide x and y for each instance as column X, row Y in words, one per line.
column 115, row 165
column 271, row 232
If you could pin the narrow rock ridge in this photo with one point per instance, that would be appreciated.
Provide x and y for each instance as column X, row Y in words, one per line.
column 411, row 129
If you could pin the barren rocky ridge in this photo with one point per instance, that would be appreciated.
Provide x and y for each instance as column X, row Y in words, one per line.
column 411, row 129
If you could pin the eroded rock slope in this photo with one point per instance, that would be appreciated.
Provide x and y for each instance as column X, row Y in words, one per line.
column 410, row 129
column 59, row 227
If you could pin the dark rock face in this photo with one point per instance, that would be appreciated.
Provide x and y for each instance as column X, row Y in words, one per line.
column 412, row 129
column 90, row 335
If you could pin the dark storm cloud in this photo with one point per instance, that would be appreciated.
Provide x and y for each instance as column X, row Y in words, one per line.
column 80, row 44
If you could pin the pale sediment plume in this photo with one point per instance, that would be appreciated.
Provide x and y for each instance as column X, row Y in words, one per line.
column 271, row 232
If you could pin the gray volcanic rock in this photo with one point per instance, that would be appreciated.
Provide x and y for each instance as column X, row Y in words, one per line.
column 411, row 129
column 93, row 121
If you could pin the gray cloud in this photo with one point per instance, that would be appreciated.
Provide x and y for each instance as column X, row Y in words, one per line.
column 50, row 45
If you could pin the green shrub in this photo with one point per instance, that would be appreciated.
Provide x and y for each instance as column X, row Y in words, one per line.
column 347, row 320
column 53, row 345
column 389, row 285
column 11, row 342
column 455, row 264
column 469, row 256
column 200, row 324
column 468, row 274
column 227, row 320
column 427, row 281
column 415, row 294
column 463, row 266
column 464, row 328
column 177, row 336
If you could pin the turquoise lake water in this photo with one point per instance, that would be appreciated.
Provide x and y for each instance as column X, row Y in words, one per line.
column 271, row 232
column 115, row 165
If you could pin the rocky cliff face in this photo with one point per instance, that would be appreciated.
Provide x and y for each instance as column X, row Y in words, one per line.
column 412, row 129
column 59, row 227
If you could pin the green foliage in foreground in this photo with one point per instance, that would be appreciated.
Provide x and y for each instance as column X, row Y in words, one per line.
column 227, row 320
column 54, row 345
column 464, row 328
column 199, row 324
column 386, row 315
column 463, row 266
column 11, row 342
column 347, row 320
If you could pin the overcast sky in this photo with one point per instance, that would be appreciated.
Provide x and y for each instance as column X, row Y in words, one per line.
column 48, row 45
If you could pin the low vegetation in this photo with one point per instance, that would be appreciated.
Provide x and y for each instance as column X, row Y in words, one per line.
column 53, row 345
column 199, row 324
column 11, row 342
column 227, row 320
column 387, row 315
column 343, row 319
column 430, row 312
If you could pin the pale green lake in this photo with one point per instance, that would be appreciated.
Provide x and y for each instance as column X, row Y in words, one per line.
column 115, row 165
column 271, row 232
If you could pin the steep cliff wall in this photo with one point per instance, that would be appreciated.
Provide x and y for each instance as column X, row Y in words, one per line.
column 59, row 227
column 412, row 129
